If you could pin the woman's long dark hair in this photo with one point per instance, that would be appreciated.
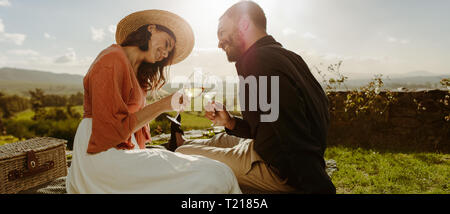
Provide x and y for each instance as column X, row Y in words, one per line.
column 151, row 76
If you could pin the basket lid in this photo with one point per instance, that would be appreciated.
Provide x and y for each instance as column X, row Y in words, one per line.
column 36, row 144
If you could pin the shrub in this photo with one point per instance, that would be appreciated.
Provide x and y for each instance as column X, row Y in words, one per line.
column 369, row 101
column 41, row 127
column 19, row 128
column 8, row 139
column 444, row 101
column 12, row 104
column 160, row 127
column 64, row 129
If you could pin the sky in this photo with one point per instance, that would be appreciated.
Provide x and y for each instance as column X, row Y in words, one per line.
column 389, row 37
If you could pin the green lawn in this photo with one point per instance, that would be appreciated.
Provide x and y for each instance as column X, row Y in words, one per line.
column 8, row 139
column 190, row 120
column 28, row 114
column 371, row 172
column 366, row 171
column 193, row 120
column 24, row 115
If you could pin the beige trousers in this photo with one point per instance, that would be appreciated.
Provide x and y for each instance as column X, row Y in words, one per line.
column 238, row 153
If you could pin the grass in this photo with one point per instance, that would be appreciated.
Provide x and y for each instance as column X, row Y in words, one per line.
column 190, row 120
column 193, row 120
column 371, row 172
column 24, row 115
column 8, row 139
column 367, row 171
column 28, row 114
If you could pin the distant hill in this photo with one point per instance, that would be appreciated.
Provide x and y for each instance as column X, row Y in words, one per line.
column 411, row 82
column 14, row 74
column 19, row 81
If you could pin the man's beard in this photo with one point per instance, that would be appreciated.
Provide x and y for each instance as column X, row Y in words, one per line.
column 235, row 48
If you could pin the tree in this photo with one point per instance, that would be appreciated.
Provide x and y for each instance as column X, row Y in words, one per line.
column 71, row 113
column 54, row 100
column 1, row 114
column 76, row 99
column 37, row 98
column 5, row 112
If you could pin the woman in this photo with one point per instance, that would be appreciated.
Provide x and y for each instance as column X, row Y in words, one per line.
column 109, row 154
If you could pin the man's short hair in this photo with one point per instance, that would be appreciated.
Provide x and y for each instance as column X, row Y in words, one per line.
column 253, row 10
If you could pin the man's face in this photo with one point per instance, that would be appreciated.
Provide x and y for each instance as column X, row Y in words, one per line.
column 229, row 40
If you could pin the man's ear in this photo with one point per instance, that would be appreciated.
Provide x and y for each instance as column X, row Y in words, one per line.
column 244, row 23
column 151, row 28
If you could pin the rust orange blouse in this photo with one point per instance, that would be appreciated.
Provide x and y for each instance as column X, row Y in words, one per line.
column 111, row 97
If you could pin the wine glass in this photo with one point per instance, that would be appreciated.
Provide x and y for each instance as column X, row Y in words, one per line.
column 210, row 98
column 212, row 92
column 194, row 87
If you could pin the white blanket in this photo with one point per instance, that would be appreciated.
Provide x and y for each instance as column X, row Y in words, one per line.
column 144, row 170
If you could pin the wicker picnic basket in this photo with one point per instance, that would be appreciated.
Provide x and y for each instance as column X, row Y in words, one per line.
column 27, row 164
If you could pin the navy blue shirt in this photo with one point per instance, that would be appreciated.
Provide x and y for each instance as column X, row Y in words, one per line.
column 293, row 144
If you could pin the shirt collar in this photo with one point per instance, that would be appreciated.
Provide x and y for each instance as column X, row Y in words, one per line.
column 264, row 41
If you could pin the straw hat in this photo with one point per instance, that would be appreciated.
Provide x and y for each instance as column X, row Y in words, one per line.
column 182, row 30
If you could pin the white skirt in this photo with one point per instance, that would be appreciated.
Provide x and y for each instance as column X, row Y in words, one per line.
column 144, row 170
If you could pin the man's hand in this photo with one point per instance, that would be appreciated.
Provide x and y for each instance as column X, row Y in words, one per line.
column 217, row 113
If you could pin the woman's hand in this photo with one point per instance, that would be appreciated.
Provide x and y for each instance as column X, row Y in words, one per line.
column 174, row 102
column 177, row 101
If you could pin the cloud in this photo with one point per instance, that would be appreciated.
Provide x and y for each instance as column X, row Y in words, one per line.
column 16, row 38
column 65, row 62
column 346, row 58
column 70, row 56
column 197, row 49
column 311, row 52
column 372, row 58
column 2, row 26
column 309, row 35
column 3, row 60
column 404, row 41
column 97, row 34
column 334, row 56
column 23, row 52
column 392, row 39
column 5, row 3
column 48, row 36
column 289, row 31
column 112, row 29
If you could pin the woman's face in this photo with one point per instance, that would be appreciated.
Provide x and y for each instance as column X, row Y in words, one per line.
column 159, row 46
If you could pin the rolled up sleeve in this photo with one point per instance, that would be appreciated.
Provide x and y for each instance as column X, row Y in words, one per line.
column 112, row 123
column 241, row 129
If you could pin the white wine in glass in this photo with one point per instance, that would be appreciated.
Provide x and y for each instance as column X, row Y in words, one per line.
column 193, row 88
column 210, row 97
column 193, row 92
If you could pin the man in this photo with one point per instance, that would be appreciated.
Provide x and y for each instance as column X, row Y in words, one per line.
column 281, row 154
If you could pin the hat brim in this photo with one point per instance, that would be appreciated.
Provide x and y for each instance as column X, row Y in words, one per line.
column 180, row 28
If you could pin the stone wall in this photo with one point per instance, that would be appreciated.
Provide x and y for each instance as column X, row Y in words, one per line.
column 405, row 126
